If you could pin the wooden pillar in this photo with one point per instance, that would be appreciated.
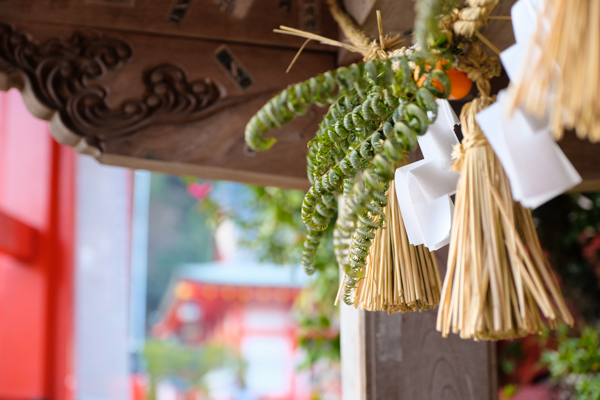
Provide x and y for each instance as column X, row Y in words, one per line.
column 402, row 356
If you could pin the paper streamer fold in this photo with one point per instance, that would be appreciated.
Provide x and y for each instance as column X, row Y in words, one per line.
column 424, row 187
column 537, row 168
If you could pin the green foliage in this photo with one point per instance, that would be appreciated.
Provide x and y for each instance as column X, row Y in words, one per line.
column 316, row 316
column 271, row 226
column 377, row 113
column 271, row 229
column 569, row 230
column 427, row 24
column 166, row 359
column 510, row 357
column 577, row 362
column 177, row 235
column 509, row 391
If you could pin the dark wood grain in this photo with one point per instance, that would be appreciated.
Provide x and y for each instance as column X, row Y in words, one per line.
column 408, row 359
column 242, row 21
column 585, row 157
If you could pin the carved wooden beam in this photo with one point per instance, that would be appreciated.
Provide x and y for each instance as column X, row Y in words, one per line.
column 168, row 104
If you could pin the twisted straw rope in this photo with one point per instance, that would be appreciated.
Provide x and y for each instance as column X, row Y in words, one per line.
column 473, row 17
column 347, row 24
column 501, row 301
column 480, row 67
column 473, row 135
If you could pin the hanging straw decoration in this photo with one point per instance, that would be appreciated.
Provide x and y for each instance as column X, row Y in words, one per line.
column 398, row 276
column 498, row 284
column 565, row 77
column 498, row 280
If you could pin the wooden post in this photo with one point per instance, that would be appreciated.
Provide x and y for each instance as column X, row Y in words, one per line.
column 353, row 346
column 406, row 358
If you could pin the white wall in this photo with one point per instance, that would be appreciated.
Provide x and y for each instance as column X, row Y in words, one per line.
column 102, row 266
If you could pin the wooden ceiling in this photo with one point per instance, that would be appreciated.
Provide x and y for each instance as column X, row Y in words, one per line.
column 168, row 85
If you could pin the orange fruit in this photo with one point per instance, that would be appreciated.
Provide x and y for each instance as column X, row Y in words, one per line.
column 461, row 84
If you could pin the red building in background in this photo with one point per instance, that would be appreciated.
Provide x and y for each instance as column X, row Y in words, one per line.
column 247, row 306
column 66, row 280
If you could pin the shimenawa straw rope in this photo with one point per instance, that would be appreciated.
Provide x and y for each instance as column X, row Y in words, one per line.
column 398, row 276
column 498, row 282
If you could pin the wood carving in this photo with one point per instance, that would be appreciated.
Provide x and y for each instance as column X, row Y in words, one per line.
column 152, row 102
column 62, row 74
column 169, row 98
column 58, row 69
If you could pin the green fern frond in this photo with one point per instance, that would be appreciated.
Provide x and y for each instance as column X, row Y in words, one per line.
column 377, row 112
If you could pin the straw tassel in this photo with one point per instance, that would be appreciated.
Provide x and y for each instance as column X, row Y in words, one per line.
column 564, row 78
column 398, row 276
column 498, row 284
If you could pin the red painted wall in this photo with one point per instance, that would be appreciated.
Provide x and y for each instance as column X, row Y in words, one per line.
column 36, row 296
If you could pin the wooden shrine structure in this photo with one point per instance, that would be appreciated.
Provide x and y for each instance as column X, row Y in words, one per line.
column 169, row 85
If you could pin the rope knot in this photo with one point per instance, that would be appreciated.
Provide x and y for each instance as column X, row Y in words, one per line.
column 458, row 155
column 473, row 17
column 472, row 134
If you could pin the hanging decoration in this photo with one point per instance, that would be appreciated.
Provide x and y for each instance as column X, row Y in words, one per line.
column 424, row 187
column 497, row 281
column 566, row 78
column 537, row 168
column 398, row 277
column 378, row 110
column 498, row 284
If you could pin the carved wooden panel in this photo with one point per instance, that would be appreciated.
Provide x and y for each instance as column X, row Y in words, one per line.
column 171, row 104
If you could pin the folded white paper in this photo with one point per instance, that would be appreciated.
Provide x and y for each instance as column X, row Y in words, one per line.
column 537, row 168
column 423, row 188
column 511, row 59
column 524, row 15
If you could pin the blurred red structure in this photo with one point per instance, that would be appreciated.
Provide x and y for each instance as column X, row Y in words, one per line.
column 37, row 179
column 248, row 307
column 197, row 310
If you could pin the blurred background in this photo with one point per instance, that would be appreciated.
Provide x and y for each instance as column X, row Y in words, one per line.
column 157, row 286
